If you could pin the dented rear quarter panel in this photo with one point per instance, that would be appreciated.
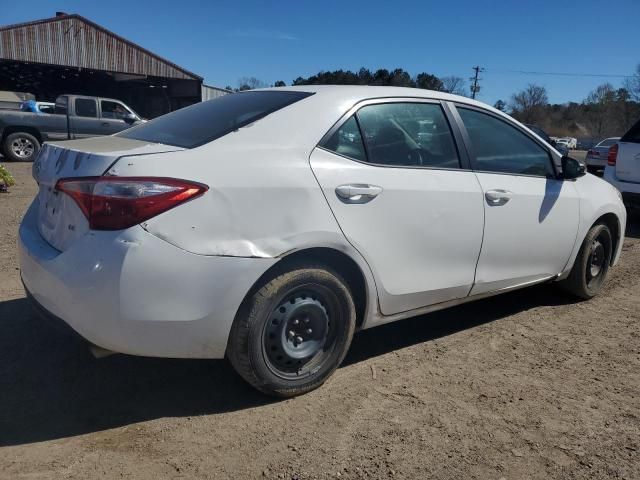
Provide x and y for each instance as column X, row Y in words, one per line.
column 260, row 202
column 263, row 199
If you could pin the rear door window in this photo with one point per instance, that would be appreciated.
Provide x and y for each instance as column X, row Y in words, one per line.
column 347, row 141
column 86, row 107
column 204, row 122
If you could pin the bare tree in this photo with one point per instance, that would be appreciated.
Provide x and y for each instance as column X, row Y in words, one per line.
column 250, row 83
column 528, row 105
column 600, row 109
column 633, row 85
column 455, row 85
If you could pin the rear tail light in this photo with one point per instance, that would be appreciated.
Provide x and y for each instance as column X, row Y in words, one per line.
column 116, row 203
column 612, row 156
column 593, row 153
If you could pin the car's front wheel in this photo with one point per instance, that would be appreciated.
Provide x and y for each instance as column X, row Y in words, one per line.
column 293, row 332
column 591, row 266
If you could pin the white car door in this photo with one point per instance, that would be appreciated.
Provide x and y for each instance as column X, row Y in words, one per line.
column 403, row 201
column 531, row 215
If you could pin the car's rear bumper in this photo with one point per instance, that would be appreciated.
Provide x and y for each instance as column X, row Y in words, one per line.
column 52, row 320
column 595, row 161
column 630, row 190
column 134, row 293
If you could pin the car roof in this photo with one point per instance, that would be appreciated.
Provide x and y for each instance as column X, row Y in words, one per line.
column 305, row 122
column 330, row 102
column 365, row 92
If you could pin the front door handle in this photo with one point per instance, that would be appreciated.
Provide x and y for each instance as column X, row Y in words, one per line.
column 105, row 124
column 497, row 197
column 358, row 192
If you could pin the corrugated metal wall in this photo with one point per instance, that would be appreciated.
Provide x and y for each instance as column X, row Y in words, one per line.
column 72, row 41
column 209, row 93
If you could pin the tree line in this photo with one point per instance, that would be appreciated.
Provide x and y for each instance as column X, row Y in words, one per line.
column 396, row 78
column 606, row 111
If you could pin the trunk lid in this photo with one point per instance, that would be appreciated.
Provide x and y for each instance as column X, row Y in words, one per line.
column 60, row 220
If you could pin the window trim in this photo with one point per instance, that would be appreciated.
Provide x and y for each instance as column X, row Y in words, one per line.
column 469, row 144
column 463, row 159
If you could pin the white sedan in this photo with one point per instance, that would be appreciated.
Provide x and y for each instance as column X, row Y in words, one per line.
column 267, row 226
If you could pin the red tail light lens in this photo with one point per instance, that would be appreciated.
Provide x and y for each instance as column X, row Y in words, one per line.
column 593, row 153
column 612, row 156
column 116, row 203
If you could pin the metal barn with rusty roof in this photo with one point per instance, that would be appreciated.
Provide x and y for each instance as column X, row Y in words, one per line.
column 71, row 54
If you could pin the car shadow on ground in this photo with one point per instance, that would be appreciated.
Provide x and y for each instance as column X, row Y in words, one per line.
column 51, row 387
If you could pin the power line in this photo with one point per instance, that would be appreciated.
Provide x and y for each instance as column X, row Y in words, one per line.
column 563, row 74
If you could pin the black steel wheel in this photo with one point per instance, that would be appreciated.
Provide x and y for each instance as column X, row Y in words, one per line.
column 592, row 263
column 293, row 332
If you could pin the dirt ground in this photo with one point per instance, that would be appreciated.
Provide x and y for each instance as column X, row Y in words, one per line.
column 526, row 385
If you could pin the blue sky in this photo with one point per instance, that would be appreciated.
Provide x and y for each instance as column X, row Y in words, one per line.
column 223, row 41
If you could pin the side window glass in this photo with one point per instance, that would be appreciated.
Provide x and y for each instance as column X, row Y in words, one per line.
column 113, row 110
column 347, row 141
column 85, row 107
column 499, row 147
column 61, row 106
column 408, row 134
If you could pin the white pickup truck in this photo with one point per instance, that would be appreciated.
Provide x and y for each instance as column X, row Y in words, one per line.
column 623, row 166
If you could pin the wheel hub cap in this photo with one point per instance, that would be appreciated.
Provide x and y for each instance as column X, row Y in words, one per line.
column 22, row 147
column 297, row 331
column 596, row 258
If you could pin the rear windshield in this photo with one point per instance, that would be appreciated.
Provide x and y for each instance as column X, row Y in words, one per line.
column 633, row 135
column 204, row 122
column 608, row 142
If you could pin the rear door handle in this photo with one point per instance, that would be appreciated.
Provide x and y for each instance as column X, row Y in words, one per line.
column 358, row 192
column 497, row 197
column 105, row 124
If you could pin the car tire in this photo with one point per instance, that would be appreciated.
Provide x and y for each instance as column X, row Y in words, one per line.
column 292, row 332
column 592, row 264
column 20, row 147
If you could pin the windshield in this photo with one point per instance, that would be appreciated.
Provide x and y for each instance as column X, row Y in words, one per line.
column 204, row 122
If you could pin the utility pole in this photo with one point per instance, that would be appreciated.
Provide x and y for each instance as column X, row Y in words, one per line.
column 475, row 88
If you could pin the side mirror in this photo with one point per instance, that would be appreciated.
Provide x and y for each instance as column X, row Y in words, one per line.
column 572, row 168
column 129, row 118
